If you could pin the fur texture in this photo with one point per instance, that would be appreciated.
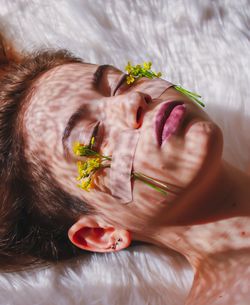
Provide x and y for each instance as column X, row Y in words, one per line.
column 200, row 44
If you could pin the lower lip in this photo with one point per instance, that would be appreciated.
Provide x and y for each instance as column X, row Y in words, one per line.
column 173, row 122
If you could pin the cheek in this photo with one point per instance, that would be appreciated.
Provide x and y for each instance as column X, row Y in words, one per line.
column 202, row 149
column 203, row 140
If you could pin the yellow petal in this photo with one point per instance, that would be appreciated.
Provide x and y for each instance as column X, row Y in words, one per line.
column 92, row 141
column 128, row 68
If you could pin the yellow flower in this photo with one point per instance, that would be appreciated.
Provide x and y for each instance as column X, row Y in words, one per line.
column 86, row 184
column 77, row 148
column 85, row 169
column 147, row 65
column 81, row 150
column 88, row 168
column 128, row 68
column 92, row 165
column 81, row 167
column 138, row 71
column 130, row 79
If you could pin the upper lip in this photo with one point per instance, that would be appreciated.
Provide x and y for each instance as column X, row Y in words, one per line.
column 161, row 117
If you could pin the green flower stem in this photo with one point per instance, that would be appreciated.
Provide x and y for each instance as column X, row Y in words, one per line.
column 152, row 180
column 101, row 167
column 188, row 92
column 105, row 157
column 149, row 74
column 95, row 154
column 158, row 186
column 181, row 89
column 192, row 95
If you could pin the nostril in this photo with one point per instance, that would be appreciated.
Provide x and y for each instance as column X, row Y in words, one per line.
column 139, row 115
column 148, row 99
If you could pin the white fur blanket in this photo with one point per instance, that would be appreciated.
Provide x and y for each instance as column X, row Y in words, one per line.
column 200, row 44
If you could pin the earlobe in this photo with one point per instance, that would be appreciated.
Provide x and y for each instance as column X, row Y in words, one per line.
column 90, row 236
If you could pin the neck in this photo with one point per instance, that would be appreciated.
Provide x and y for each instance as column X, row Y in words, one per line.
column 227, row 196
column 216, row 241
column 221, row 210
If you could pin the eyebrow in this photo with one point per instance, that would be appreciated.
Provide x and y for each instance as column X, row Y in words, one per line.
column 99, row 73
column 78, row 114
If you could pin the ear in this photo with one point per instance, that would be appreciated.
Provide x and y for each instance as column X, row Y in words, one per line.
column 90, row 235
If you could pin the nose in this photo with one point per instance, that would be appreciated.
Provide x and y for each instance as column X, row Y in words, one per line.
column 129, row 109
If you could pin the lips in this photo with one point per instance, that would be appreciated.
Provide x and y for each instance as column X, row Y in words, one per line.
column 168, row 120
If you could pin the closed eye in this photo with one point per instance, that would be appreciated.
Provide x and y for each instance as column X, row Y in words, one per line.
column 119, row 84
column 103, row 84
column 97, row 134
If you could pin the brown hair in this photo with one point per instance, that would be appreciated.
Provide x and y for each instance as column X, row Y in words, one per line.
column 35, row 213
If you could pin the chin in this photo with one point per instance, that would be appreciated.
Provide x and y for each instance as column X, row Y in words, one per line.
column 213, row 159
column 206, row 140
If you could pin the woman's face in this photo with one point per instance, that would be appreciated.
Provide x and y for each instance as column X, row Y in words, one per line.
column 69, row 102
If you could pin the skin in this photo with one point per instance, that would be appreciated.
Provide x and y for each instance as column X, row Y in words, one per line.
column 208, row 221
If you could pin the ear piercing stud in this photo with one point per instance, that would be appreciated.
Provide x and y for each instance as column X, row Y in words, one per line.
column 116, row 244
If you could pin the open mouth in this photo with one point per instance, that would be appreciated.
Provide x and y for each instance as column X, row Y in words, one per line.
column 168, row 120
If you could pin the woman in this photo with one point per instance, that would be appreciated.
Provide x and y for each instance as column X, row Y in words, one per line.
column 52, row 100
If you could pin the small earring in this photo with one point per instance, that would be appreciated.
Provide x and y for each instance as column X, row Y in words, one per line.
column 113, row 246
column 116, row 244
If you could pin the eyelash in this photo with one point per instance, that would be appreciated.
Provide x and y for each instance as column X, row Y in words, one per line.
column 119, row 84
